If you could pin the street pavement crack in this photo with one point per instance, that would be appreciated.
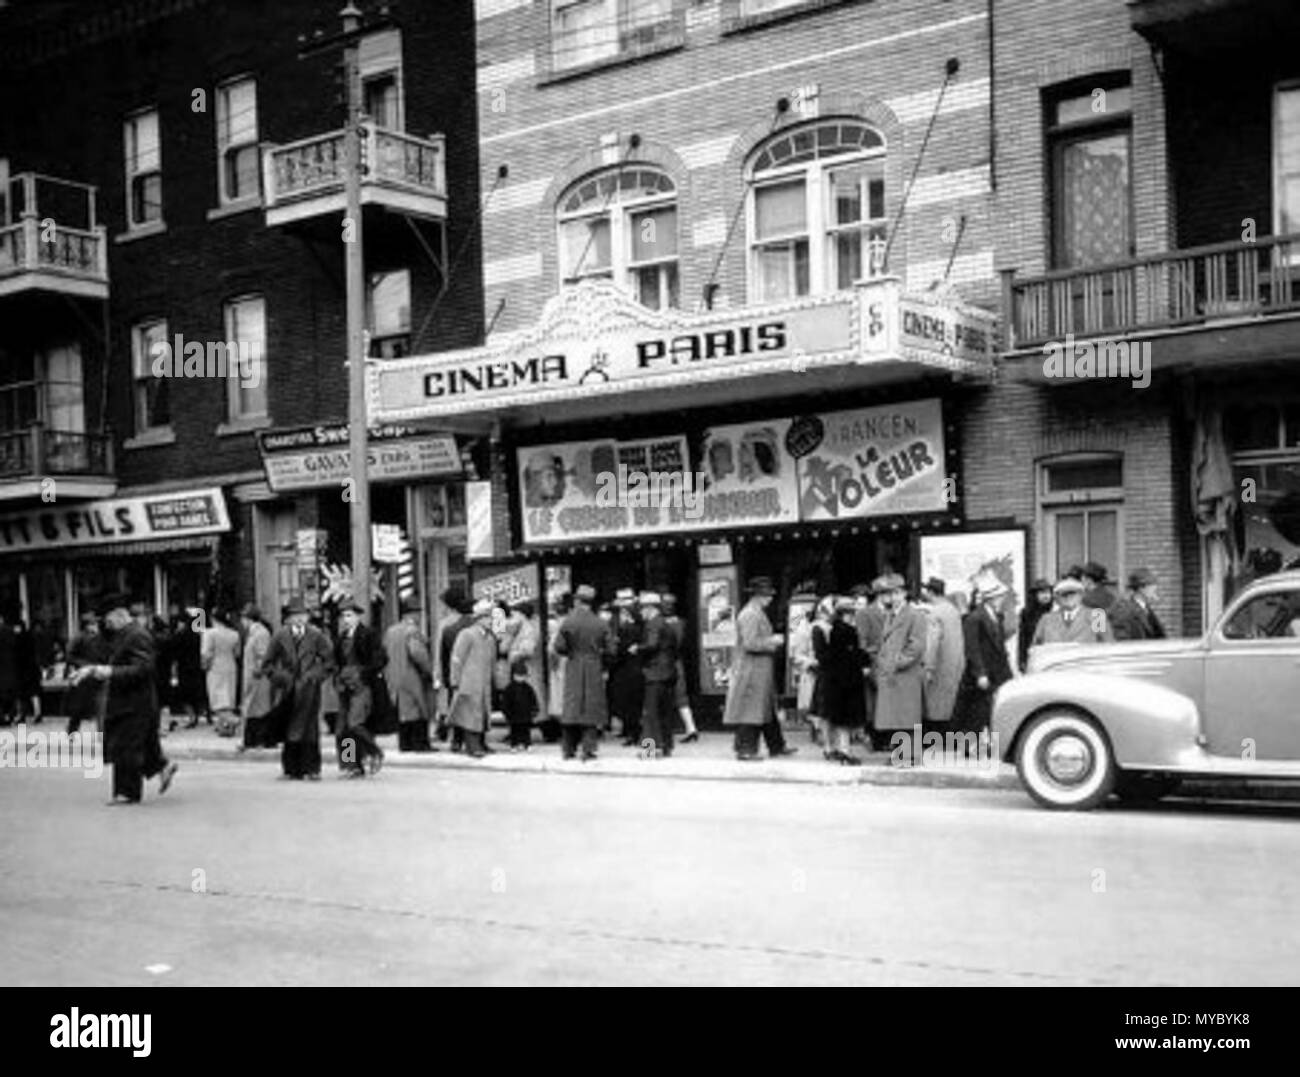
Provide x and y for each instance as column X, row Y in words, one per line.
column 706, row 945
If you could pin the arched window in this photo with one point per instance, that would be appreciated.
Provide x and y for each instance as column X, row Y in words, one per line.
column 817, row 209
column 621, row 224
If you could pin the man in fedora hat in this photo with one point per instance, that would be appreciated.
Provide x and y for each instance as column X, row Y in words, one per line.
column 987, row 664
column 298, row 661
column 358, row 658
column 473, row 662
column 658, row 652
column 899, row 667
column 586, row 642
column 130, row 703
column 1071, row 622
column 945, row 652
column 1039, row 604
column 409, row 674
column 1134, row 616
column 751, row 694
column 626, row 687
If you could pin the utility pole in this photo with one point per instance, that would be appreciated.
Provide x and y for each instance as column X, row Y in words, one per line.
column 358, row 426
column 354, row 254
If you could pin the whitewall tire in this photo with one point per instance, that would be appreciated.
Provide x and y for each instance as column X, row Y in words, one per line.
column 1065, row 761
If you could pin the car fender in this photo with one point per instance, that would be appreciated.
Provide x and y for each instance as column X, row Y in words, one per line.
column 1149, row 726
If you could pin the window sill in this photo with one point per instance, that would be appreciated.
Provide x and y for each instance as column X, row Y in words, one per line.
column 157, row 435
column 234, row 427
column 229, row 209
column 733, row 22
column 154, row 228
column 671, row 43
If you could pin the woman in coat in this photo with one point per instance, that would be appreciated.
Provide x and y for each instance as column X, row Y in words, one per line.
column 526, row 647
column 840, row 660
column 473, row 662
column 257, row 685
column 219, row 655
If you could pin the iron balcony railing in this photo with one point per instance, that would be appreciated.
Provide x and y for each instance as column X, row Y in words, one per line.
column 1176, row 289
column 48, row 225
column 38, row 451
column 313, row 167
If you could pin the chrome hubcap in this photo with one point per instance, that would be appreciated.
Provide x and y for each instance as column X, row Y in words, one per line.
column 1068, row 758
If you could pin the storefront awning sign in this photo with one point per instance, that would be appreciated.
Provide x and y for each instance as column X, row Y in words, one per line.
column 317, row 457
column 594, row 339
column 116, row 520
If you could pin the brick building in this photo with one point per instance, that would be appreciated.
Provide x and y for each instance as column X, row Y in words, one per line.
column 750, row 242
column 1147, row 163
column 205, row 204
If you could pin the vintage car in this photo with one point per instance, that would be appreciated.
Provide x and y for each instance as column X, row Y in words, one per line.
column 1135, row 718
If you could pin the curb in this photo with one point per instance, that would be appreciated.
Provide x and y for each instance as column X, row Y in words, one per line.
column 1002, row 779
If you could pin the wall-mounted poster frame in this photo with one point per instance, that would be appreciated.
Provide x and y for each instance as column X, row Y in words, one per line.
column 964, row 559
column 718, row 606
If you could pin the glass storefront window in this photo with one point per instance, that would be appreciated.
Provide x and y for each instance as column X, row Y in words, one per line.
column 1268, row 537
column 47, row 611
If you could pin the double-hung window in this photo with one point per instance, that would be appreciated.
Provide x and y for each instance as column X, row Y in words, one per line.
column 388, row 314
column 237, row 140
column 1286, row 161
column 152, row 395
column 143, row 169
column 588, row 31
column 621, row 225
column 246, row 358
column 817, row 219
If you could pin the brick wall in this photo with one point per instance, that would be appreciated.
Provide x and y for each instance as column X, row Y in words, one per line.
column 701, row 109
column 189, row 271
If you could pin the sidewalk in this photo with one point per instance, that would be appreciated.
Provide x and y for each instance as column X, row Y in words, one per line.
column 709, row 759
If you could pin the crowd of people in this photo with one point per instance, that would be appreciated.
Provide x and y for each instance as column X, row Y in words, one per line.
column 867, row 665
column 873, row 663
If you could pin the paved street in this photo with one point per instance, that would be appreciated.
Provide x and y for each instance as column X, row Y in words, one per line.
column 455, row 877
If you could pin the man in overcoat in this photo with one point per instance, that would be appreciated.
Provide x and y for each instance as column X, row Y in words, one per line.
column 409, row 675
column 473, row 662
column 298, row 661
column 1134, row 616
column 945, row 653
column 358, row 658
column 626, row 686
column 586, row 642
column 660, row 645
column 130, row 704
column 256, row 703
column 751, row 696
column 987, row 664
column 899, row 668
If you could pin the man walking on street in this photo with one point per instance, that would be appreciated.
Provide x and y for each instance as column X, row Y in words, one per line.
column 586, row 642
column 751, row 696
column 359, row 658
column 658, row 653
column 298, row 662
column 130, row 704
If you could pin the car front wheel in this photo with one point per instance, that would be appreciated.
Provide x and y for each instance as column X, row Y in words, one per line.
column 1065, row 761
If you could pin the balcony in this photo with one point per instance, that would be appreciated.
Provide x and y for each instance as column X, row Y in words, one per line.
column 49, row 238
column 304, row 179
column 1199, row 27
column 1216, row 286
column 81, row 463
